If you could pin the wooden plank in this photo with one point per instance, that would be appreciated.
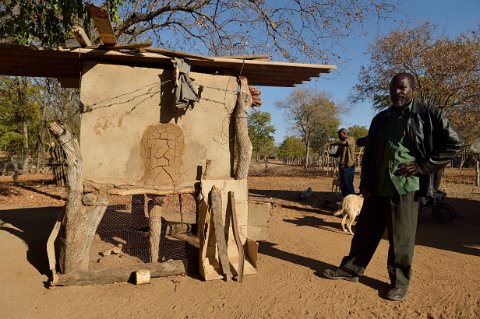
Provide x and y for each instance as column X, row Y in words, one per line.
column 52, row 259
column 103, row 24
column 154, row 191
column 121, row 46
column 173, row 53
column 216, row 211
column 61, row 63
column 236, row 235
column 70, row 83
column 263, row 57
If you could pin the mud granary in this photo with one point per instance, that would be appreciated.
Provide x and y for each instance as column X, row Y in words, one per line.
column 138, row 140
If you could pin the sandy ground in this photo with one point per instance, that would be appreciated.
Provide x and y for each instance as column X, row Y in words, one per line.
column 303, row 239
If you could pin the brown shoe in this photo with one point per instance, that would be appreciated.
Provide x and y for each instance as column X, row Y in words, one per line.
column 396, row 294
column 340, row 274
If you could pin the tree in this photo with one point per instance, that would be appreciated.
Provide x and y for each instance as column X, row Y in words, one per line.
column 357, row 131
column 312, row 116
column 260, row 132
column 287, row 29
column 447, row 72
column 19, row 116
column 291, row 148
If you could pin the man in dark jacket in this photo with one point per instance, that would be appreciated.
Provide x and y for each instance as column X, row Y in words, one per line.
column 346, row 161
column 406, row 145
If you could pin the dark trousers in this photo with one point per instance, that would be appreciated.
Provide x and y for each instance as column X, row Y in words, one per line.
column 345, row 175
column 399, row 215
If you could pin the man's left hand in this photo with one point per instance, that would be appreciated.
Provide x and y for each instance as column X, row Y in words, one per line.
column 408, row 169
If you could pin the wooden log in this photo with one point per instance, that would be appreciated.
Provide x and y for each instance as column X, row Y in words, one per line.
column 216, row 212
column 236, row 235
column 80, row 222
column 244, row 101
column 120, row 274
column 155, row 221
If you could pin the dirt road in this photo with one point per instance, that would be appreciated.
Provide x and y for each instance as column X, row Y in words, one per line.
column 304, row 239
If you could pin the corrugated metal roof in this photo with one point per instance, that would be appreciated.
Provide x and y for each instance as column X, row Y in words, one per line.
column 66, row 65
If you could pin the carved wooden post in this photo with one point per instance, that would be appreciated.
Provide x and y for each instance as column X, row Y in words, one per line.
column 244, row 101
column 82, row 213
column 155, row 213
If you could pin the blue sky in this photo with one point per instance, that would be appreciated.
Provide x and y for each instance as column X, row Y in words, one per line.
column 452, row 17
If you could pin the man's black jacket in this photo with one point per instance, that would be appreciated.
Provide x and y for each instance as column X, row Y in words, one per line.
column 430, row 137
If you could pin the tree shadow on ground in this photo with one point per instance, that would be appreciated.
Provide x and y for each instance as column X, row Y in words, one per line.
column 317, row 222
column 33, row 226
column 33, row 189
column 268, row 248
column 319, row 200
column 462, row 235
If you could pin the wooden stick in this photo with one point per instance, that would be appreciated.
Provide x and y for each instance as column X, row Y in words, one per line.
column 52, row 260
column 81, row 36
column 216, row 211
column 121, row 274
column 236, row 235
column 206, row 171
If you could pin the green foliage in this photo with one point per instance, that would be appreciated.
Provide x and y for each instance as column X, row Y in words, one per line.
column 291, row 147
column 313, row 116
column 47, row 22
column 19, row 114
column 357, row 131
column 261, row 133
column 27, row 105
column 447, row 72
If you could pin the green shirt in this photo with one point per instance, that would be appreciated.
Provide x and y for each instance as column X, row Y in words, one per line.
column 396, row 153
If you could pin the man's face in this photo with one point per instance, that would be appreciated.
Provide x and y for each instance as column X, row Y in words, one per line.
column 342, row 135
column 401, row 92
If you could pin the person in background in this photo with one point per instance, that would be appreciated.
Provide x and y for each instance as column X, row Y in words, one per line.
column 406, row 145
column 346, row 161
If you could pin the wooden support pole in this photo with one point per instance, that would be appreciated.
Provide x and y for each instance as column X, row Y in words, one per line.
column 155, row 212
column 244, row 101
column 115, row 275
column 216, row 212
column 81, row 221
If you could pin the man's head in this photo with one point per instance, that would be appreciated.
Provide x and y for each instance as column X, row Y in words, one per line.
column 342, row 134
column 402, row 86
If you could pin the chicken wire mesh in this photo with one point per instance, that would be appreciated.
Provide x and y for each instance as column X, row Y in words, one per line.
column 123, row 235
